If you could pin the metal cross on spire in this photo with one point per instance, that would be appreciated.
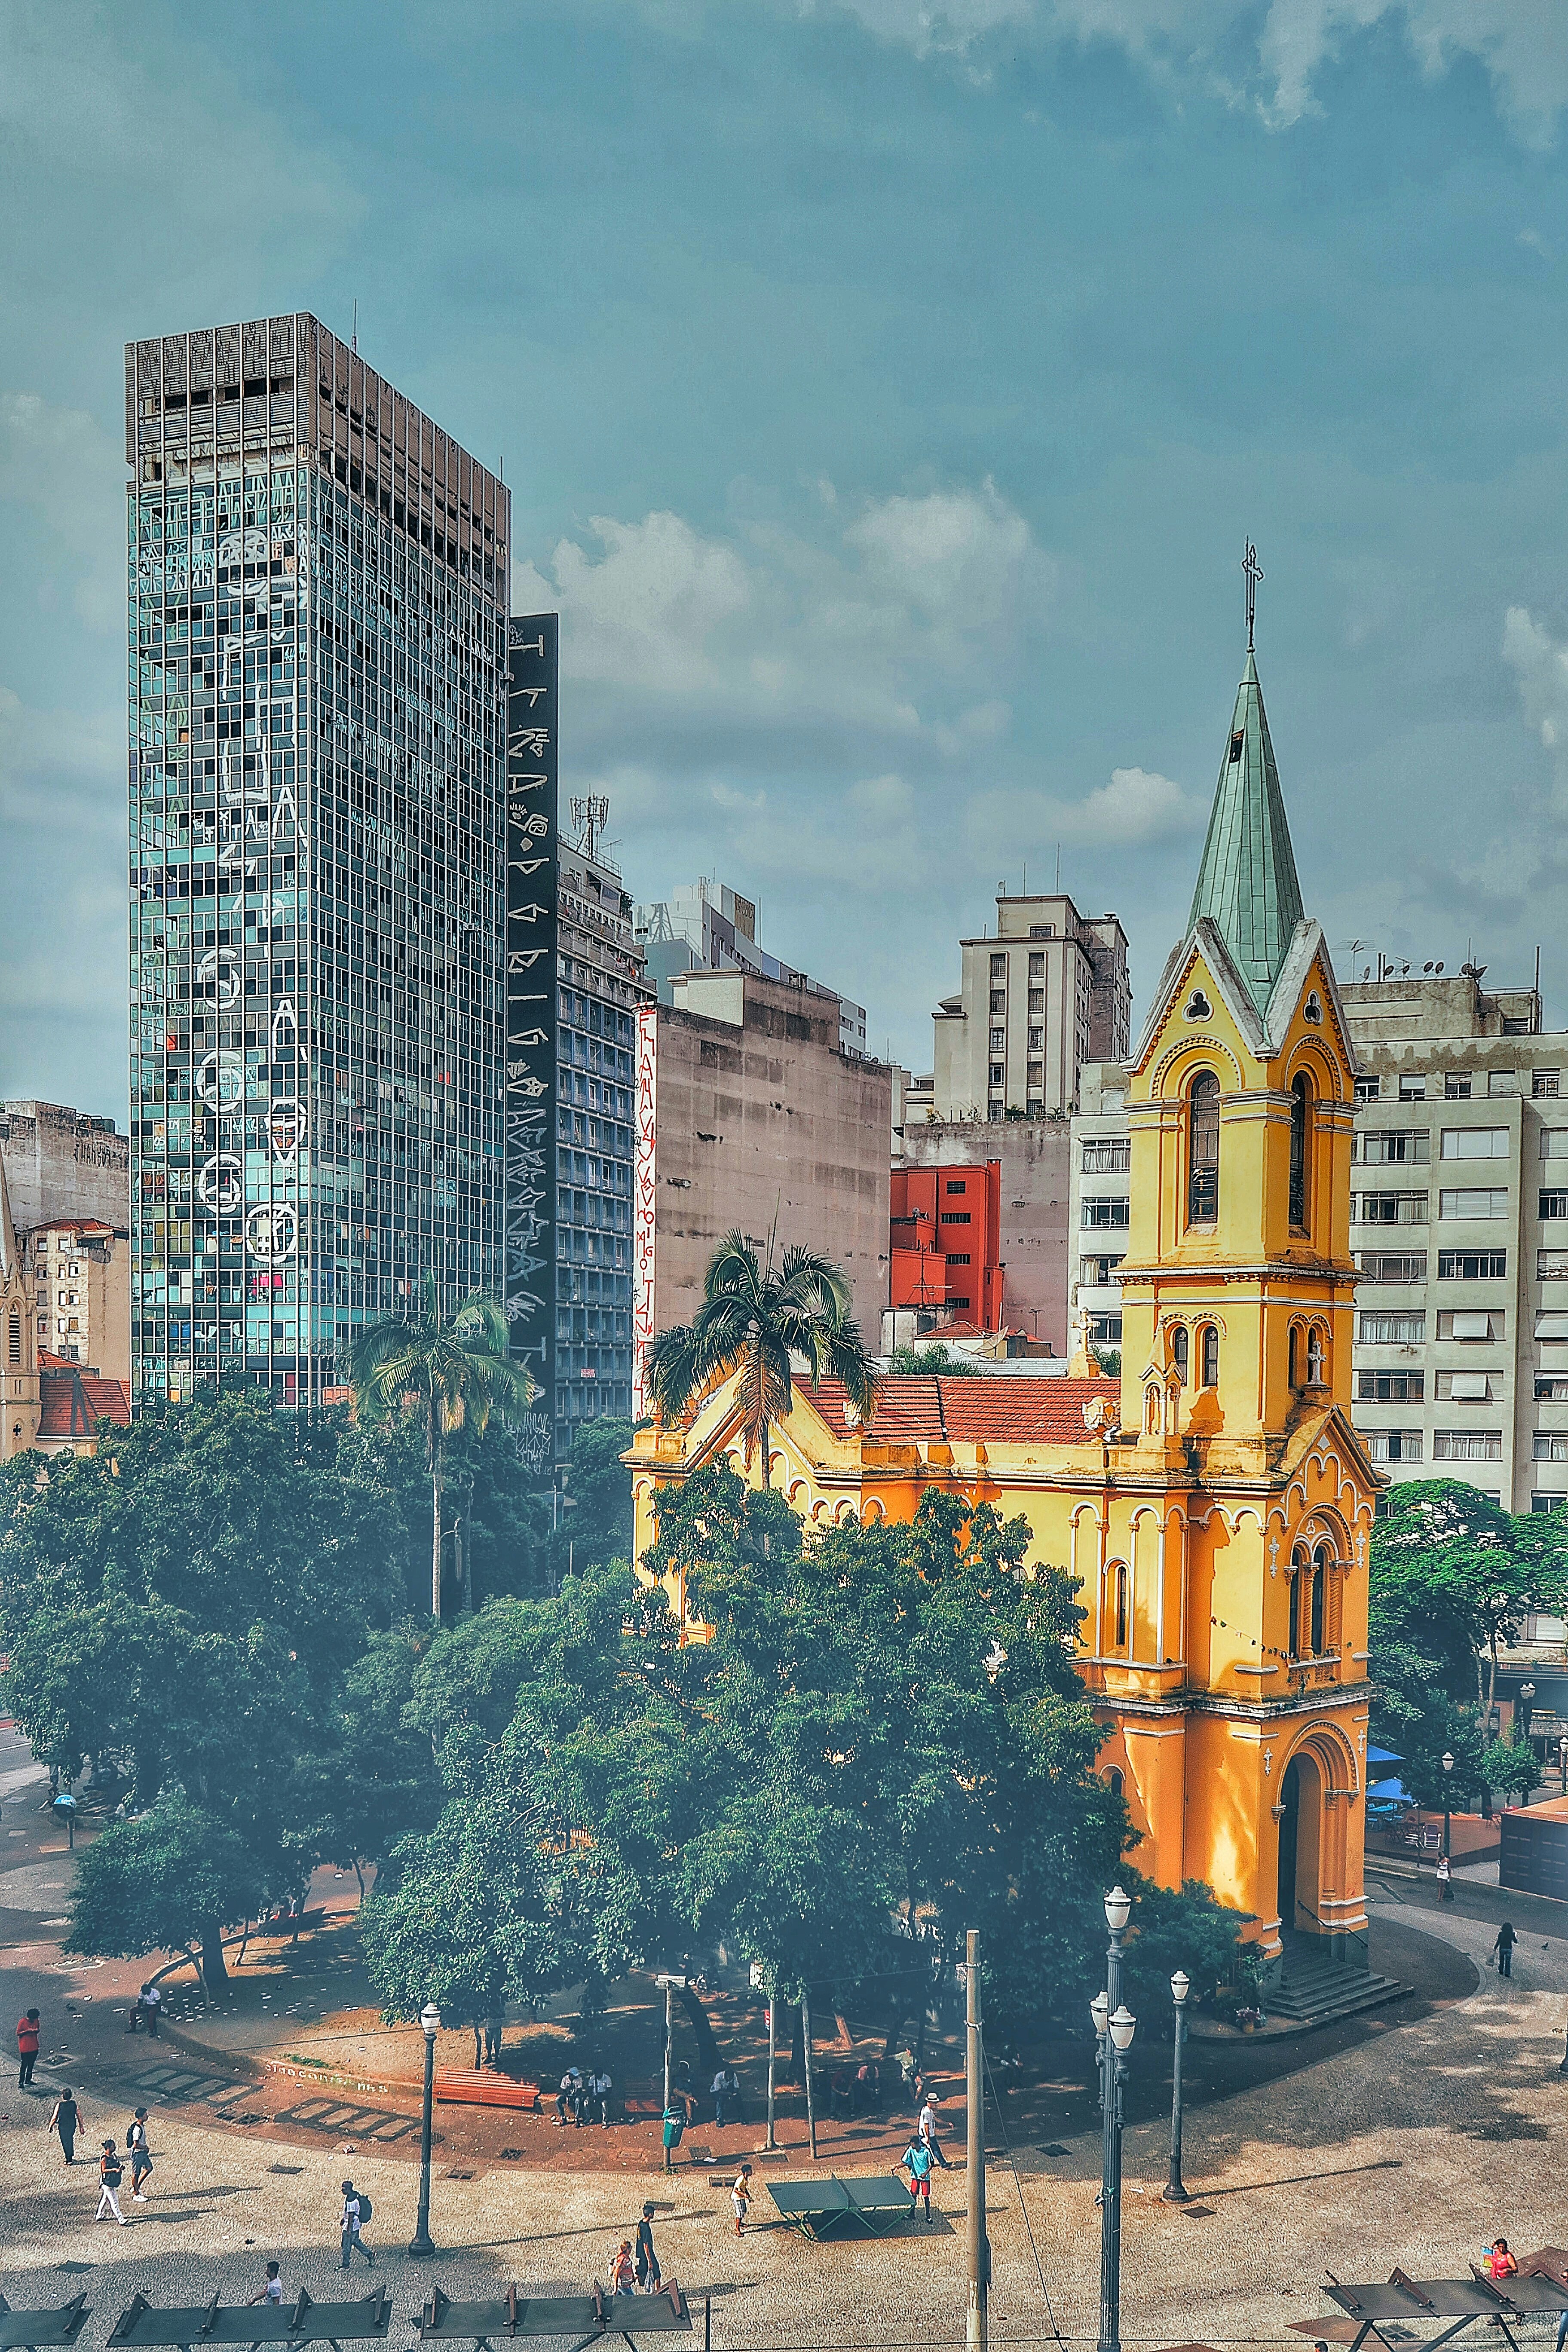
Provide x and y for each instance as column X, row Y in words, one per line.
column 1254, row 571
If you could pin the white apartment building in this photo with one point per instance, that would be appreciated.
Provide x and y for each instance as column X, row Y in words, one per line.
column 1459, row 1225
column 1046, row 993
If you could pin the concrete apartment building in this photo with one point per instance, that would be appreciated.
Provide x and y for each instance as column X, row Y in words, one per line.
column 1460, row 1230
column 62, row 1162
column 68, row 1180
column 751, row 1115
column 705, row 926
column 1048, row 992
column 1459, row 1227
column 1033, row 1159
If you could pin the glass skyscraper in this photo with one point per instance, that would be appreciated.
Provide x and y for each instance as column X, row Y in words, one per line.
column 318, row 699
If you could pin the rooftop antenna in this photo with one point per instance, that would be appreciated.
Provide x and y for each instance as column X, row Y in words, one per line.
column 590, row 816
column 1253, row 571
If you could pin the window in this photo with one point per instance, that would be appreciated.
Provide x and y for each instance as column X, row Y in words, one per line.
column 1465, row 1387
column 1551, row 1323
column 1105, row 1212
column 1097, row 1271
column 1391, row 1387
column 1475, row 1201
column 1037, row 1040
column 1202, row 1149
column 1551, row 1388
column 1553, row 1205
column 1105, row 1331
column 1389, row 1208
column 1390, row 1146
column 1550, row 1445
column 1552, row 1265
column 1393, row 1266
column 1036, row 967
column 1542, row 1503
column 1320, row 1580
column 1554, row 1143
column 1472, row 1266
column 956, row 1217
column 1411, row 1089
column 1502, row 1082
column 1457, row 1085
column 955, row 1184
column 1474, row 1323
column 1368, row 1089
column 1467, row 1445
column 1119, row 1578
column 998, row 1000
column 995, row 1074
column 1393, row 1444
column 1208, row 1346
column 998, row 1040
column 1113, row 1778
column 1107, row 1155
column 1300, row 1131
column 14, row 1337
column 958, row 1257
column 1179, row 1352
column 1392, row 1330
column 1543, row 1083
column 1475, row 1143
column 998, row 967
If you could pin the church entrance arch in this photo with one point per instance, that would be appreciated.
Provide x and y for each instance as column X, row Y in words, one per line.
column 1301, row 1844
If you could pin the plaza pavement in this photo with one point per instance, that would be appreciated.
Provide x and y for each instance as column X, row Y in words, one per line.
column 1417, row 2147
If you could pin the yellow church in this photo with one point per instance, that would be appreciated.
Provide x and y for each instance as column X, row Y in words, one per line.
column 1214, row 1506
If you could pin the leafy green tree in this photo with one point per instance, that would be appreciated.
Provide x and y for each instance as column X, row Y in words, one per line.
column 753, row 1317
column 1171, row 1928
column 599, row 1485
column 1510, row 1765
column 937, row 1359
column 1449, row 1565
column 170, row 1881
column 449, row 1369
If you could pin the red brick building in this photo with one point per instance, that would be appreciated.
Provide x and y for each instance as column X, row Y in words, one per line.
column 944, row 1246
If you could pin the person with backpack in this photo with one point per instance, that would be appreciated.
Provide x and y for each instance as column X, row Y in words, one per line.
column 67, row 2121
column 356, row 2214
column 140, row 2155
column 916, row 2161
column 27, row 2038
column 109, row 2174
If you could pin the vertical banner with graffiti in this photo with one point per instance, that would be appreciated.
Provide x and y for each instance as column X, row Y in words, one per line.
column 645, row 1203
column 532, row 877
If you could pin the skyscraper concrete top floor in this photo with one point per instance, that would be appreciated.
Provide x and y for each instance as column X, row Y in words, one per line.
column 1048, row 992
column 317, row 670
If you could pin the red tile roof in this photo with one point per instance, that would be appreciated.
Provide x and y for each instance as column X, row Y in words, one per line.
column 73, row 1401
column 989, row 1409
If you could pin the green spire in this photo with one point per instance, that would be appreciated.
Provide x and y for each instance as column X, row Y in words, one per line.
column 1246, row 883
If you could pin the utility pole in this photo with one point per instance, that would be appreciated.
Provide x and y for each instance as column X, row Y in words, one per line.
column 977, row 2334
column 810, row 2095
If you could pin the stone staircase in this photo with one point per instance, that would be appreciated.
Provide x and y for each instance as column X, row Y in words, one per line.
column 1314, row 1988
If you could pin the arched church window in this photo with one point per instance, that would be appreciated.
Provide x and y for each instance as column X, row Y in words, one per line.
column 1314, row 1354
column 1150, row 1411
column 1114, row 1780
column 1209, row 1343
column 13, row 1338
column 1320, row 1587
column 1202, row 1149
column 1120, row 1573
column 1299, row 1566
column 1179, row 1352
column 1295, row 1370
column 1300, row 1133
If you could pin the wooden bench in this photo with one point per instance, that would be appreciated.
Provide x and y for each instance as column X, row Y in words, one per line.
column 476, row 2087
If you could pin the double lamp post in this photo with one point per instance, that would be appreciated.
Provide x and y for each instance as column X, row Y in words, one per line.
column 1114, row 2027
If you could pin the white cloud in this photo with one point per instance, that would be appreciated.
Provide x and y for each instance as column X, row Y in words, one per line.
column 1540, row 664
column 1522, row 44
column 1137, row 805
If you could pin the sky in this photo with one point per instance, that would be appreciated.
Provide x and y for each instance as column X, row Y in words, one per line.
column 887, row 392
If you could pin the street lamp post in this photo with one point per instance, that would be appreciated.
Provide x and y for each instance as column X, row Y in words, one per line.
column 1114, row 2026
column 1175, row 2189
column 1526, row 1696
column 430, row 2021
column 1562, row 1760
column 1448, row 1801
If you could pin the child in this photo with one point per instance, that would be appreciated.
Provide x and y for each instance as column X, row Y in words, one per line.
column 1500, row 2264
column 109, row 2173
column 917, row 2164
column 623, row 2276
column 740, row 2199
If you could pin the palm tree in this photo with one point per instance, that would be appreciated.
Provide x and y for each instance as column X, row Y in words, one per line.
column 754, row 1316
column 451, row 1368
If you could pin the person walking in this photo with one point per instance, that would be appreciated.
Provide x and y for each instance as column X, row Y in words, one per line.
column 916, row 2161
column 929, row 2131
column 356, row 2214
column 740, row 2199
column 270, row 2293
column 1445, row 1879
column 648, row 2275
column 109, row 2174
column 28, row 2037
column 140, row 2155
column 1503, row 1947
column 152, row 2003
column 718, row 2091
column 67, row 2121
column 622, row 2273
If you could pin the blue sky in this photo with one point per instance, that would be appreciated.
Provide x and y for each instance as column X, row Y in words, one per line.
column 886, row 391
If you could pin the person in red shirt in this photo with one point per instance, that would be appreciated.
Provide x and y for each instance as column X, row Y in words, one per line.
column 27, row 2049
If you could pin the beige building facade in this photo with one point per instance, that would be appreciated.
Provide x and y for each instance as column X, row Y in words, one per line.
column 1047, row 993
column 752, row 1115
